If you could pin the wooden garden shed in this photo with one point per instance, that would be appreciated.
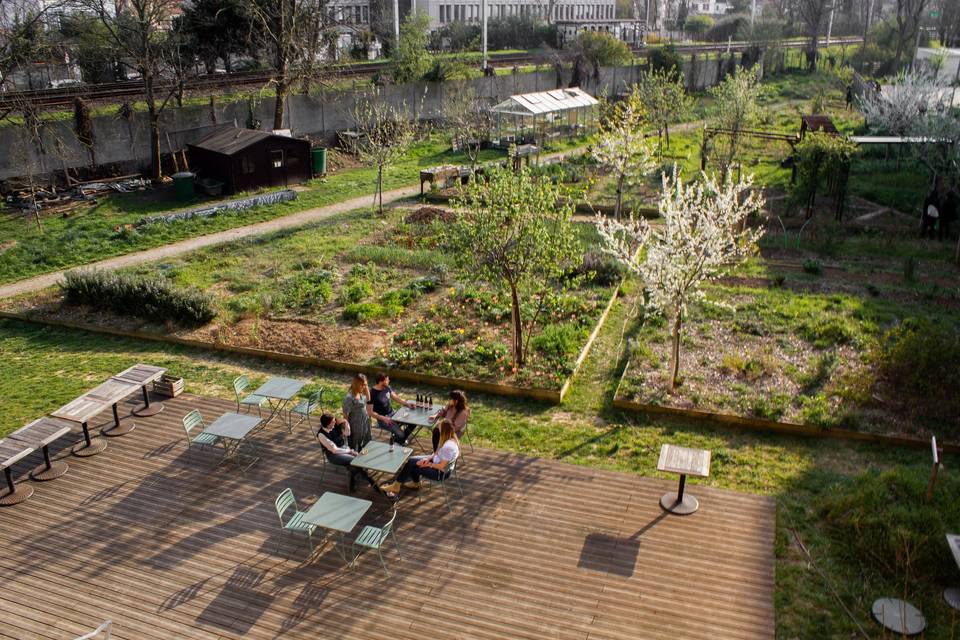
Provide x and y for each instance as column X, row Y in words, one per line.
column 245, row 159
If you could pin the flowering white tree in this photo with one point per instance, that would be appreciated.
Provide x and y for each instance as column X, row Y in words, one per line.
column 896, row 109
column 622, row 146
column 703, row 235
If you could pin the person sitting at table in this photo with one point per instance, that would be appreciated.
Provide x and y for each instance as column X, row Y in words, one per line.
column 333, row 434
column 357, row 412
column 382, row 411
column 434, row 467
column 456, row 412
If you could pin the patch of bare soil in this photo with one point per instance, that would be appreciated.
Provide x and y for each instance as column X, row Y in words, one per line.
column 426, row 215
column 338, row 160
column 7, row 244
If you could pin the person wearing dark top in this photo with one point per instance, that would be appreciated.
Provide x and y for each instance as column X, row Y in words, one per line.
column 849, row 96
column 948, row 212
column 332, row 436
column 930, row 214
column 381, row 408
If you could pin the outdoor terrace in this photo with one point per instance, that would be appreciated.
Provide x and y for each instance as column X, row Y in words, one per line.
column 153, row 537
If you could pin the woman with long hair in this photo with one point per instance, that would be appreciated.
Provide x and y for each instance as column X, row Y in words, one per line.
column 357, row 412
column 456, row 411
column 435, row 467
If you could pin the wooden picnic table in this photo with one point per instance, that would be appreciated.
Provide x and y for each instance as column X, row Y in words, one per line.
column 685, row 461
column 11, row 452
column 143, row 375
column 39, row 434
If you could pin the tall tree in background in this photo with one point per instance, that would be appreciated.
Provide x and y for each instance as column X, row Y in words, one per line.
column 813, row 14
column 140, row 33
column 703, row 235
column 908, row 15
column 736, row 109
column 514, row 230
column 412, row 59
column 219, row 29
column 285, row 28
column 468, row 119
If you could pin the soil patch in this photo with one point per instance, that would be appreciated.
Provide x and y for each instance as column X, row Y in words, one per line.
column 426, row 215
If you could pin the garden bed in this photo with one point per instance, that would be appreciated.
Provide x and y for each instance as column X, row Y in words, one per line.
column 813, row 341
column 376, row 292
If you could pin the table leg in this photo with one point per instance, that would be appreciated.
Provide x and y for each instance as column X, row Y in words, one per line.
column 49, row 470
column 117, row 429
column 14, row 494
column 148, row 409
column 89, row 447
column 677, row 502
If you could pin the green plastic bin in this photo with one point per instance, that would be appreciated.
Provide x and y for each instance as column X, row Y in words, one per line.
column 319, row 161
column 183, row 185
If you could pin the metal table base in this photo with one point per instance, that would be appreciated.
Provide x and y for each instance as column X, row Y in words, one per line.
column 677, row 503
column 89, row 447
column 49, row 470
column 117, row 429
column 15, row 493
column 147, row 409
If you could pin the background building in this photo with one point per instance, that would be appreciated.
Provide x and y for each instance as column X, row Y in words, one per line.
column 444, row 12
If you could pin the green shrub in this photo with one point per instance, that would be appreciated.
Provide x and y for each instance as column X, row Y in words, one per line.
column 363, row 311
column 558, row 341
column 245, row 305
column 874, row 518
column 599, row 269
column 305, row 291
column 153, row 297
column 920, row 358
column 813, row 267
column 826, row 331
column 396, row 257
column 353, row 293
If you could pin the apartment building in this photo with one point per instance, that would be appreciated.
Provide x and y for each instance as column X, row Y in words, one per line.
column 446, row 11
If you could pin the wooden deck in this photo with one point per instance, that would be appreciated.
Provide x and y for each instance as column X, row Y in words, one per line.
column 148, row 535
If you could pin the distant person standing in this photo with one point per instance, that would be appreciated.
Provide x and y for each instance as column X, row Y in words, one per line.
column 950, row 207
column 849, row 96
column 355, row 412
column 931, row 212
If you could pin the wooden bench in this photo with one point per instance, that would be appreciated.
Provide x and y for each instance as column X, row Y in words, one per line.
column 39, row 434
column 143, row 375
column 11, row 452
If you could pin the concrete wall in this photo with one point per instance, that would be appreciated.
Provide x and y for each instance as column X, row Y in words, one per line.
column 125, row 142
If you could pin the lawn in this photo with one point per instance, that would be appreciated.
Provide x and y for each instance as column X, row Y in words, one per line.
column 45, row 367
column 363, row 289
column 98, row 233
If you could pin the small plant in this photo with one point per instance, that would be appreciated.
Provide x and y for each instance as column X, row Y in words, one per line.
column 363, row 312
column 777, row 280
column 354, row 293
column 558, row 341
column 812, row 266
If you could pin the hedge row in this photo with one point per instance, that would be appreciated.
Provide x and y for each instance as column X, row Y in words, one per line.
column 147, row 297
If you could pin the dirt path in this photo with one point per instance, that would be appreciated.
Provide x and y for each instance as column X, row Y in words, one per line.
column 300, row 218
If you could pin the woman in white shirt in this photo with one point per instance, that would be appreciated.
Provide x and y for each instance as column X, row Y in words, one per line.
column 434, row 467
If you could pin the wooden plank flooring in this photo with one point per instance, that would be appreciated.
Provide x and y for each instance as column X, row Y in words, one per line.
column 151, row 536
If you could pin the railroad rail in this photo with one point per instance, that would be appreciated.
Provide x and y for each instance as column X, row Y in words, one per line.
column 51, row 98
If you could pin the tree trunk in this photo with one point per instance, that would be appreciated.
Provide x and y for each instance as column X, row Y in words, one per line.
column 283, row 88
column 675, row 350
column 616, row 211
column 156, row 170
column 517, row 327
column 379, row 194
column 666, row 133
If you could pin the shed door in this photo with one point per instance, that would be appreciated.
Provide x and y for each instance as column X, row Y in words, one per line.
column 278, row 167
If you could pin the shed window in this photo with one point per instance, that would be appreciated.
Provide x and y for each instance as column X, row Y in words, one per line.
column 246, row 165
column 276, row 159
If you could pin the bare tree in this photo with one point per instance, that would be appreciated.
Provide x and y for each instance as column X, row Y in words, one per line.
column 468, row 119
column 383, row 134
column 139, row 29
column 812, row 13
column 908, row 15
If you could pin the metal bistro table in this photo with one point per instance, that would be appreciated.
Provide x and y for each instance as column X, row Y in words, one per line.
column 693, row 462
column 39, row 434
column 418, row 417
column 233, row 429
column 283, row 390
column 143, row 375
column 379, row 458
column 337, row 513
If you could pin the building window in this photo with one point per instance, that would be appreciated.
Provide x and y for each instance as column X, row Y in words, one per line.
column 276, row 159
column 246, row 165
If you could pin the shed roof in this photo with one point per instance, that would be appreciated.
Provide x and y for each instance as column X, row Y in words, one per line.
column 532, row 104
column 230, row 140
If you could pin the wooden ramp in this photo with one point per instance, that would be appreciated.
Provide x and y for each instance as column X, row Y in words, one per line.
column 152, row 537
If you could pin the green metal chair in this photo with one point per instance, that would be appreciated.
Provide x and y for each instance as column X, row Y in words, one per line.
column 305, row 407
column 240, row 385
column 374, row 537
column 444, row 479
column 190, row 422
column 295, row 522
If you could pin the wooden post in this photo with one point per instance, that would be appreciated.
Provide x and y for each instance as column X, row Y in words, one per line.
column 934, row 469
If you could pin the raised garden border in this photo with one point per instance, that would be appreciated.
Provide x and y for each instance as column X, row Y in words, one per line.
column 544, row 395
column 760, row 424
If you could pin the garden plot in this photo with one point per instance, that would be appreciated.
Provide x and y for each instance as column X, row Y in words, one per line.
column 366, row 290
column 847, row 340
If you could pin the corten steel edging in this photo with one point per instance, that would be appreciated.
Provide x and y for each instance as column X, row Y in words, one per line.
column 602, row 320
column 545, row 395
column 784, row 428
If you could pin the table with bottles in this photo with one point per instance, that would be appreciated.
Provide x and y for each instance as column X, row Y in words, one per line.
column 420, row 415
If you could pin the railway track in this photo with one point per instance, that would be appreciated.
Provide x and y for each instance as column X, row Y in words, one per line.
column 53, row 98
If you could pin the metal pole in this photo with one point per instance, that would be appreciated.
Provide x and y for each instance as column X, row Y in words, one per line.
column 830, row 24
column 396, row 23
column 753, row 15
column 483, row 31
